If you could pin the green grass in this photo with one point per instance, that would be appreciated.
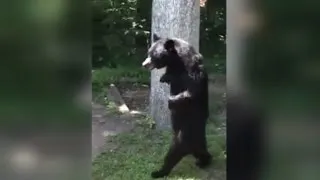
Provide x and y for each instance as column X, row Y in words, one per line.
column 105, row 76
column 102, row 78
column 142, row 151
column 122, row 73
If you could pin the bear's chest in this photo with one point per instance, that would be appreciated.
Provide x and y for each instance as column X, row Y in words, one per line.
column 179, row 84
column 177, row 87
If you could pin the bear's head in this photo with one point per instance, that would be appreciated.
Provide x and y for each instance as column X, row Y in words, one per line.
column 171, row 53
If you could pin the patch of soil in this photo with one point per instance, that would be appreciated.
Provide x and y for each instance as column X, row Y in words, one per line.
column 104, row 125
column 136, row 96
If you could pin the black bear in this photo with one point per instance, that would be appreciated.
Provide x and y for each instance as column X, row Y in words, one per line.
column 188, row 100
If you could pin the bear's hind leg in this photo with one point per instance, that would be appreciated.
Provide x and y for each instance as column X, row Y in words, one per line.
column 176, row 152
column 203, row 159
column 200, row 152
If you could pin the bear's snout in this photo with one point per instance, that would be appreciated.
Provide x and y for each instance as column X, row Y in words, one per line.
column 147, row 63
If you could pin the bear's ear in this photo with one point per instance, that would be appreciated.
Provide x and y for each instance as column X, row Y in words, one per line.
column 155, row 37
column 196, row 62
column 197, row 58
column 169, row 45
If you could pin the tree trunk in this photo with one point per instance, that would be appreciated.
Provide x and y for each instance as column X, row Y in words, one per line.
column 171, row 18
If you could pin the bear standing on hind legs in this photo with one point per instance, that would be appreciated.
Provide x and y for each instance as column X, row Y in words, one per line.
column 188, row 100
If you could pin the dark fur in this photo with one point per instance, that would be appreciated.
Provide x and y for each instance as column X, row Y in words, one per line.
column 188, row 101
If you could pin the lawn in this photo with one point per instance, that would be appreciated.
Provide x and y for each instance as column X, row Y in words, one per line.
column 139, row 152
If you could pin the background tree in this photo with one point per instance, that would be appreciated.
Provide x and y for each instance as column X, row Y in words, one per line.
column 171, row 18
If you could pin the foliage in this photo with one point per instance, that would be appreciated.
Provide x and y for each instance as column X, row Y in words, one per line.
column 121, row 31
column 213, row 28
column 116, row 31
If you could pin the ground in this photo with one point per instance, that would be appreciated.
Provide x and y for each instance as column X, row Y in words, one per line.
column 124, row 146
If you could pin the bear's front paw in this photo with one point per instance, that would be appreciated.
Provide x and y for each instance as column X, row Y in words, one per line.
column 159, row 174
column 174, row 98
column 171, row 101
column 165, row 79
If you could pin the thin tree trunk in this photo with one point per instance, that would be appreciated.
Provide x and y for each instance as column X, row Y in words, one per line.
column 171, row 18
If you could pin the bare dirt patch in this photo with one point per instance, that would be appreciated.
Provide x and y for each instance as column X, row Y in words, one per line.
column 136, row 96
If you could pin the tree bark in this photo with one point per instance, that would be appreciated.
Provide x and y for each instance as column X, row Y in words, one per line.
column 171, row 18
